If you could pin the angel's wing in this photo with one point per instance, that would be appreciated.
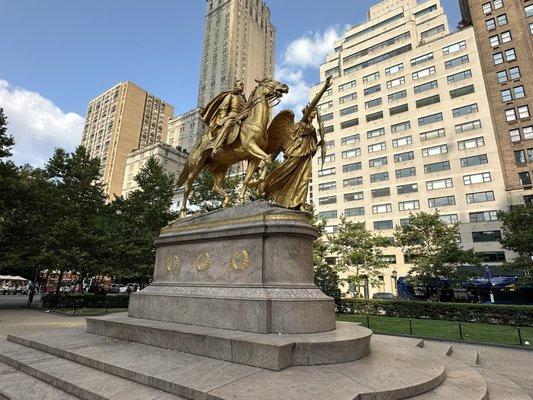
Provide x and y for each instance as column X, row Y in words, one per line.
column 280, row 131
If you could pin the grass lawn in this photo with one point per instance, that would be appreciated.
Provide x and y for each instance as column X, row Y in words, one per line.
column 88, row 312
column 475, row 332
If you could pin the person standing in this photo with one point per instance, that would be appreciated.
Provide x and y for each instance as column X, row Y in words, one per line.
column 31, row 293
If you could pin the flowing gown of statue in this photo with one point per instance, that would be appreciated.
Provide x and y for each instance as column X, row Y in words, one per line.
column 287, row 185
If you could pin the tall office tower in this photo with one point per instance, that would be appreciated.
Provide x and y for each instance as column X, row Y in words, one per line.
column 120, row 120
column 504, row 34
column 239, row 42
column 408, row 129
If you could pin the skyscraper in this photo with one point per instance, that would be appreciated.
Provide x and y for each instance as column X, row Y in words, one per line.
column 408, row 129
column 119, row 121
column 504, row 34
column 239, row 44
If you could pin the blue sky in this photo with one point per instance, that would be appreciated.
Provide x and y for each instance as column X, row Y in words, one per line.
column 65, row 52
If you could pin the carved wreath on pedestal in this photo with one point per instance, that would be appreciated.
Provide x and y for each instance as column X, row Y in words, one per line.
column 240, row 261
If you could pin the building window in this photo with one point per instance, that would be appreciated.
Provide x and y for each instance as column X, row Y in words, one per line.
column 397, row 96
column 327, row 186
column 382, row 208
column 463, row 91
column 374, row 117
column 378, row 162
column 491, row 256
column 327, row 158
column 529, row 10
column 408, row 188
column 398, row 109
column 351, row 153
column 381, row 192
column 329, row 129
column 487, row 8
column 326, row 171
column 437, row 133
column 424, row 72
column 421, row 59
column 439, row 184
column 347, row 98
column 327, row 214
column 383, row 225
column 523, row 112
column 428, row 101
column 514, row 73
column 395, row 82
column 347, row 111
column 456, row 62
column 494, row 41
column 351, row 167
column 480, row 197
column 352, row 181
column 401, row 157
column 350, row 123
column 465, row 110
column 506, row 95
column 510, row 115
column 468, row 126
column 403, row 141
column 453, row 48
column 394, row 69
column 354, row 212
column 405, row 172
column 490, row 24
column 527, row 131
column 498, row 4
column 432, row 32
column 519, row 92
column 347, row 85
column 524, row 178
column 373, row 103
column 353, row 196
column 506, row 37
column 435, row 150
column 483, row 216
column 408, row 205
column 486, row 236
column 372, row 90
column 502, row 19
column 350, row 139
column 449, row 218
column 519, row 156
column 379, row 177
column 430, row 119
column 502, row 76
column 377, row 147
column 477, row 178
column 401, row 127
column 441, row 201
column 437, row 167
column 459, row 76
column 471, row 143
column 327, row 200
column 474, row 160
column 370, row 78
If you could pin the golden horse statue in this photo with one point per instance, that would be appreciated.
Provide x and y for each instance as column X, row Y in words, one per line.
column 251, row 144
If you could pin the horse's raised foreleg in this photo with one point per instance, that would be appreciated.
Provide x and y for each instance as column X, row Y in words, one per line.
column 253, row 165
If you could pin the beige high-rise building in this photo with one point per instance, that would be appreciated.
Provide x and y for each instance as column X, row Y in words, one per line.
column 239, row 44
column 408, row 129
column 504, row 33
column 119, row 121
column 171, row 159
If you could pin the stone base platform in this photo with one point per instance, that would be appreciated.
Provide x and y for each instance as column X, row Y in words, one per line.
column 348, row 342
column 92, row 367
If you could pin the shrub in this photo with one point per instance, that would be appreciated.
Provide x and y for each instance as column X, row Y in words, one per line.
column 519, row 315
column 85, row 300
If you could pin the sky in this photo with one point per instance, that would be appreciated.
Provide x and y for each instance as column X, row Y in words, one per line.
column 56, row 55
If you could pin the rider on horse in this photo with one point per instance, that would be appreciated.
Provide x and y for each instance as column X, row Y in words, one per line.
column 221, row 116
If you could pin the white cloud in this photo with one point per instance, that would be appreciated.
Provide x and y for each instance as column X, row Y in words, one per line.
column 311, row 49
column 37, row 125
column 306, row 52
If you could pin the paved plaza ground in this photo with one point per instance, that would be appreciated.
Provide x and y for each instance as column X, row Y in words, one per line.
column 514, row 364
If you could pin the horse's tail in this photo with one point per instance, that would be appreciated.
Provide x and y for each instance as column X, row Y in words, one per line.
column 184, row 175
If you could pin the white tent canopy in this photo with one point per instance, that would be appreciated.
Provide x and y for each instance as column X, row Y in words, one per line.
column 11, row 278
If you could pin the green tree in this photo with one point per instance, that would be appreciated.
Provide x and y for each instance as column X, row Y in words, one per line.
column 6, row 141
column 205, row 198
column 435, row 250
column 137, row 220
column 360, row 251
column 517, row 227
column 8, row 171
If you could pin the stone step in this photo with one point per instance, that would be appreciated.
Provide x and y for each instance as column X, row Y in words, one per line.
column 387, row 373
column 271, row 351
column 462, row 383
column 441, row 348
column 467, row 355
column 78, row 380
column 16, row 385
column 501, row 388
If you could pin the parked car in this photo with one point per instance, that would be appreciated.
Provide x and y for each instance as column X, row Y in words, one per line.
column 384, row 296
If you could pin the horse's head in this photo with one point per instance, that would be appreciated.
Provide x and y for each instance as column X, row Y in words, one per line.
column 270, row 89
